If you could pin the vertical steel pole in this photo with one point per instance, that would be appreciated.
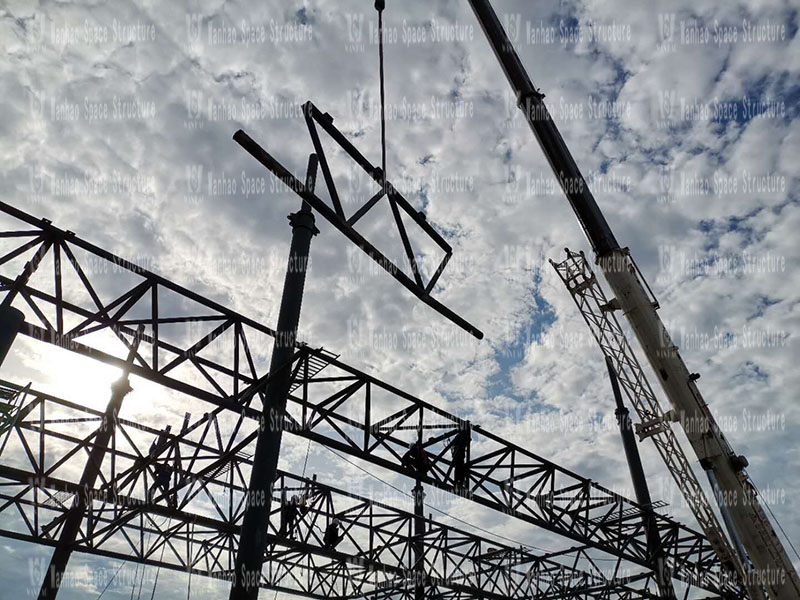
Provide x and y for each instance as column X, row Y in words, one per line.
column 419, row 533
column 252, row 543
column 12, row 319
column 83, row 500
column 654, row 547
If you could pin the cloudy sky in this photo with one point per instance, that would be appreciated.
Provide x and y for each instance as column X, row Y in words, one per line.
column 117, row 125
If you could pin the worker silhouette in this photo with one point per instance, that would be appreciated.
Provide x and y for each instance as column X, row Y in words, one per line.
column 290, row 511
column 162, row 470
column 458, row 450
column 162, row 476
column 417, row 459
column 333, row 535
column 158, row 444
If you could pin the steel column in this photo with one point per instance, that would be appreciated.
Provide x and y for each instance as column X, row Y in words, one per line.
column 72, row 524
column 654, row 547
column 419, row 534
column 10, row 321
column 253, row 541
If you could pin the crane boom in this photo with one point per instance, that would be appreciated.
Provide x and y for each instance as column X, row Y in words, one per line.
column 772, row 568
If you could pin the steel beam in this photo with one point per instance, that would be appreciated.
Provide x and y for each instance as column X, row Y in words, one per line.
column 347, row 410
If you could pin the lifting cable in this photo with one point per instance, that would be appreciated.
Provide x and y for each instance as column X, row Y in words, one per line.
column 110, row 581
column 135, row 575
column 379, row 6
column 189, row 564
column 160, row 560
column 305, row 464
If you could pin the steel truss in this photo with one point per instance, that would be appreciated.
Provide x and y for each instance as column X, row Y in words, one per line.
column 343, row 408
column 192, row 524
column 403, row 213
column 585, row 289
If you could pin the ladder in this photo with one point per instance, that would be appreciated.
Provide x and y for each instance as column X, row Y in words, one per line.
column 317, row 360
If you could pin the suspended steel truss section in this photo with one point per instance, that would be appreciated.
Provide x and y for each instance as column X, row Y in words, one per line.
column 198, row 347
column 585, row 289
column 403, row 214
column 323, row 542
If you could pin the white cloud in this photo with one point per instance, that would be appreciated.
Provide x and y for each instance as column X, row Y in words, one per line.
column 485, row 182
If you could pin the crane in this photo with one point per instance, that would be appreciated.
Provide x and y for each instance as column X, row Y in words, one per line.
column 766, row 566
column 582, row 284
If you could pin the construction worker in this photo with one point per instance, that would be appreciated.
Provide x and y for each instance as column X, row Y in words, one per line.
column 289, row 511
column 458, row 449
column 417, row 459
column 302, row 505
column 162, row 471
column 332, row 535
column 162, row 475
column 157, row 444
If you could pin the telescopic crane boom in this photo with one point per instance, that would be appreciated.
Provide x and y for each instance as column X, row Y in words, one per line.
column 772, row 570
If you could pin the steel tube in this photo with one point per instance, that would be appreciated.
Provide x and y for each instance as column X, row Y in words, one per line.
column 253, row 541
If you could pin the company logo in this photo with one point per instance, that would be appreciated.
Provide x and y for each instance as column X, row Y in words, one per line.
column 36, row 28
column 513, row 25
column 355, row 32
column 194, row 109
column 37, row 105
column 512, row 179
column 194, row 179
column 666, row 32
column 37, row 178
column 667, row 108
column 355, row 27
column 193, row 27
column 356, row 180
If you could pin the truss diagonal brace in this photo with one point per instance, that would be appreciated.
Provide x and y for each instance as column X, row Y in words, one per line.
column 349, row 232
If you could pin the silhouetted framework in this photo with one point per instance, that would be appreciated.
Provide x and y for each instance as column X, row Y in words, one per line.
column 406, row 218
column 196, row 346
column 595, row 308
column 190, row 522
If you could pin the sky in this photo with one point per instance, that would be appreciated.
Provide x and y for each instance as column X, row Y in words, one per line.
column 682, row 116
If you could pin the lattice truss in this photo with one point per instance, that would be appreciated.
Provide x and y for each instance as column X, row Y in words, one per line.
column 190, row 523
column 198, row 347
column 419, row 240
column 593, row 305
